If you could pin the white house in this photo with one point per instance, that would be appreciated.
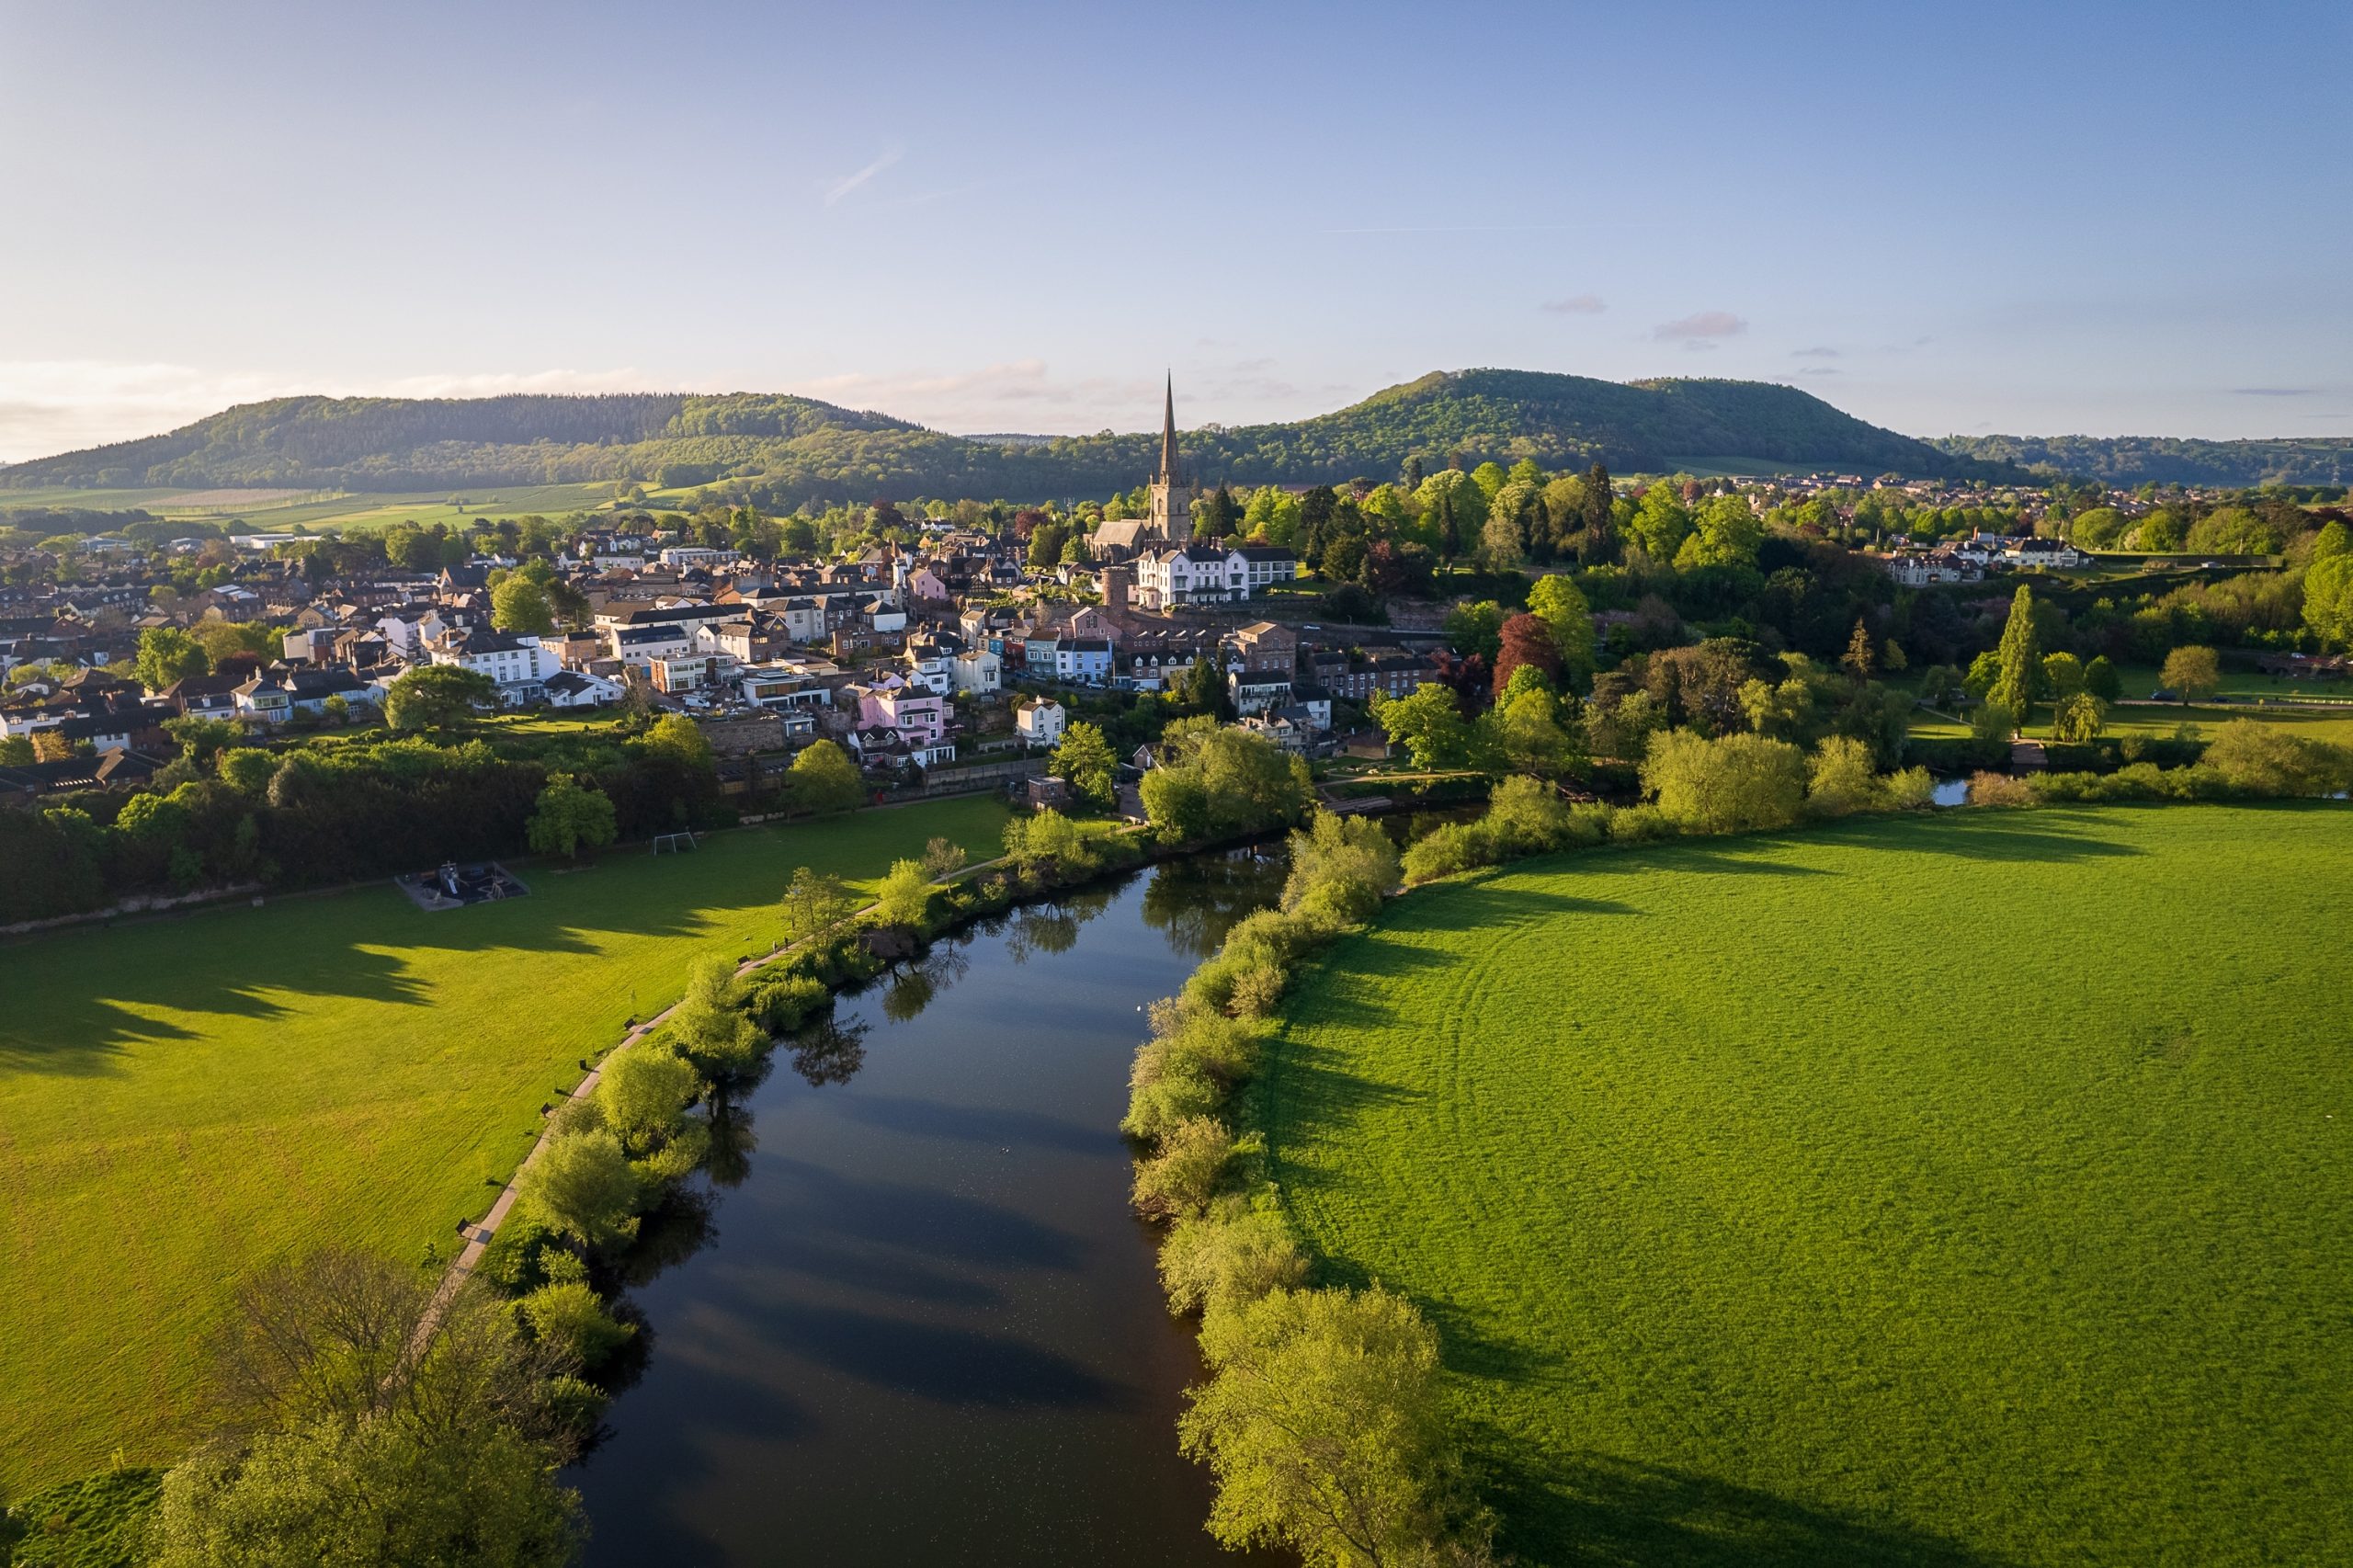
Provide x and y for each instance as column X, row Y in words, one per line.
column 978, row 673
column 579, row 688
column 1039, row 721
column 520, row 665
column 1207, row 574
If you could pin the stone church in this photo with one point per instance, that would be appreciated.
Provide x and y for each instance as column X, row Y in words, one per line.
column 1169, row 520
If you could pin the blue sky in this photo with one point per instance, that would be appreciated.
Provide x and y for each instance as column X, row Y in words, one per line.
column 2046, row 219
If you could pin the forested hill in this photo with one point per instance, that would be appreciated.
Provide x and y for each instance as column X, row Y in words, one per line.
column 2166, row 459
column 788, row 450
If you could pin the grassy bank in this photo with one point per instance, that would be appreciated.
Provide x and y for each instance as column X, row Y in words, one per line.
column 184, row 1100
column 1844, row 1197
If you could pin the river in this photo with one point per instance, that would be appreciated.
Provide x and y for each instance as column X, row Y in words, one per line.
column 920, row 1324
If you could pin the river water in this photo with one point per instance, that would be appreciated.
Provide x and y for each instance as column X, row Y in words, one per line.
column 920, row 1325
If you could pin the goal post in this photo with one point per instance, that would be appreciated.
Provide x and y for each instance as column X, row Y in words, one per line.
column 676, row 843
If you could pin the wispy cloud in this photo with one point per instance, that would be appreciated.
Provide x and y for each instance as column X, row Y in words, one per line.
column 2275, row 391
column 1701, row 329
column 850, row 182
column 1457, row 229
column 1813, row 354
column 1576, row 305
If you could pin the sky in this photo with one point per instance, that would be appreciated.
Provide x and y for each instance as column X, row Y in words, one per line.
column 2046, row 219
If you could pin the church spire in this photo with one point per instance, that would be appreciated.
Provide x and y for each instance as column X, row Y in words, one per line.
column 1168, row 435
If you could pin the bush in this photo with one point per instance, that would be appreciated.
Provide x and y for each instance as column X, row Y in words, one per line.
column 1183, row 1177
column 1911, row 790
column 570, row 1319
column 2256, row 759
column 1842, row 780
column 1192, row 1061
column 1341, row 868
column 1999, row 789
column 1228, row 1257
column 1448, row 848
column 643, row 1091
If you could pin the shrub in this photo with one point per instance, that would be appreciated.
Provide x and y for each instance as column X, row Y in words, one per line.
column 1183, row 1177
column 1526, row 816
column 1999, row 789
column 1911, row 790
column 1185, row 1069
column 785, row 1000
column 570, row 1319
column 1448, row 848
column 1841, row 780
column 1228, row 1256
column 904, row 896
column 2262, row 759
column 1340, row 869
column 1639, row 824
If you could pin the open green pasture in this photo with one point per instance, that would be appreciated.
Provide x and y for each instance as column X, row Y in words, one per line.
column 2160, row 719
column 183, row 1100
column 1956, row 1190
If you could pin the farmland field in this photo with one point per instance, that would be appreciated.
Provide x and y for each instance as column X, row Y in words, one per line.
column 184, row 1100
column 1955, row 1190
column 2160, row 719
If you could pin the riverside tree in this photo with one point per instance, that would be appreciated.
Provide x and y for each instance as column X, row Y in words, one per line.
column 2017, row 663
column 1085, row 759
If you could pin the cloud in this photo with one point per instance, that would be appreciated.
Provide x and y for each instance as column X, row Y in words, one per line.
column 849, row 183
column 2275, row 391
column 62, row 405
column 1706, row 324
column 1576, row 305
column 1821, row 370
column 1813, row 354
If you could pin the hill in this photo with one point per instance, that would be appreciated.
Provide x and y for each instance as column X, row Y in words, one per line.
column 789, row 450
column 2166, row 459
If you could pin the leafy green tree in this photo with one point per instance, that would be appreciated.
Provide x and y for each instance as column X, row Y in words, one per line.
column 1661, row 523
column 2062, row 675
column 520, row 605
column 1325, row 1423
column 167, row 654
column 904, row 896
column 1475, row 631
column 709, row 1028
column 815, row 903
column 1726, row 532
column 1558, row 602
column 1216, row 781
column 357, row 1437
column 581, row 1185
column 569, row 1317
column 2101, row 680
column 643, row 1092
column 2195, row 673
column 438, row 697
column 2079, row 717
column 567, row 818
column 1428, row 724
column 2017, row 680
column 1523, row 730
column 1085, row 760
column 1734, row 783
column 825, row 779
column 2328, row 597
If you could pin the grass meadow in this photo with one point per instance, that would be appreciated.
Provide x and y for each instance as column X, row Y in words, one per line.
column 1943, row 1191
column 183, row 1100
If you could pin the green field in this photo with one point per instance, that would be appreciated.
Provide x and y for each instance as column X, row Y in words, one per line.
column 2160, row 719
column 1953, row 1190
column 354, row 509
column 183, row 1100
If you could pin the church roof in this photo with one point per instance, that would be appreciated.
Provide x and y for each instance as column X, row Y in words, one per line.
column 1167, row 474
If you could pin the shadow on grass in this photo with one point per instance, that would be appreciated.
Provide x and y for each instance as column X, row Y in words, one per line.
column 1606, row 1510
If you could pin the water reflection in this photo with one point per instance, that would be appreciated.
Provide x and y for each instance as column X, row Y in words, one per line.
column 934, row 1331
column 1195, row 902
column 827, row 1051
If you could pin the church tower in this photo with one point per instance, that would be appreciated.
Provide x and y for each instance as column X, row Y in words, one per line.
column 1171, row 520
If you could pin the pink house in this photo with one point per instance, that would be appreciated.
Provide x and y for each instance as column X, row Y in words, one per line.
column 919, row 715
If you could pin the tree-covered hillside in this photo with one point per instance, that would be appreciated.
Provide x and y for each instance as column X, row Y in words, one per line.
column 788, row 450
column 2167, row 459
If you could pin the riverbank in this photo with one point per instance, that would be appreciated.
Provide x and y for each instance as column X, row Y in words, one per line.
column 184, row 1100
